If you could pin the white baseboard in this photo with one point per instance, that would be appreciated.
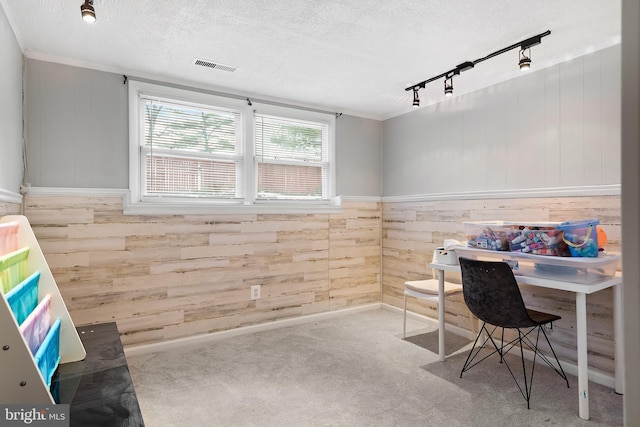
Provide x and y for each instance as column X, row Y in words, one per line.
column 7, row 196
column 135, row 350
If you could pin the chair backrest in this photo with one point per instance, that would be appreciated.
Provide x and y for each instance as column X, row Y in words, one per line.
column 491, row 292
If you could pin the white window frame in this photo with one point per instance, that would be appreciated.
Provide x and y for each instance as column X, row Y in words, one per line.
column 137, row 204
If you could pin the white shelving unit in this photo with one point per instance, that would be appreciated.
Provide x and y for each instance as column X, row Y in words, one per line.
column 21, row 378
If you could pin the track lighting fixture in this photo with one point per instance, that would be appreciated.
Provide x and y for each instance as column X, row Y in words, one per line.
column 448, row 86
column 87, row 11
column 524, row 63
column 525, row 60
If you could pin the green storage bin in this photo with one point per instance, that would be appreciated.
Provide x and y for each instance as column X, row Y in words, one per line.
column 13, row 268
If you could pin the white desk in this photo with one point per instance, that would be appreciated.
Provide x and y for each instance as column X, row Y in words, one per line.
column 581, row 291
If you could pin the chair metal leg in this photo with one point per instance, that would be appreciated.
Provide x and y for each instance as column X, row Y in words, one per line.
column 522, row 340
column 561, row 372
column 469, row 363
column 527, row 389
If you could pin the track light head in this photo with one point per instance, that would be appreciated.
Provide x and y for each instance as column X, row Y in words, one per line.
column 87, row 11
column 525, row 60
column 416, row 98
column 448, row 86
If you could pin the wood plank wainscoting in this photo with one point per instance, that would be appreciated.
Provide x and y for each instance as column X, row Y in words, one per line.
column 412, row 230
column 7, row 208
column 162, row 277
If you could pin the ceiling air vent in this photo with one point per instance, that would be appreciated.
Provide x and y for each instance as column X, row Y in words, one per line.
column 214, row 65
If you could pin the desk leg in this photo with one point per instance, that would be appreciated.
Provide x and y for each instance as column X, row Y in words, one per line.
column 441, row 315
column 618, row 338
column 583, row 374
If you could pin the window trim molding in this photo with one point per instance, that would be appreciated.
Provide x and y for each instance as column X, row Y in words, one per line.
column 134, row 203
column 524, row 193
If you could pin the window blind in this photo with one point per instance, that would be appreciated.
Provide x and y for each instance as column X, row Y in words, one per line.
column 292, row 158
column 191, row 151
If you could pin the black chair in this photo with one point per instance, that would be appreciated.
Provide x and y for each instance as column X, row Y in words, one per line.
column 491, row 292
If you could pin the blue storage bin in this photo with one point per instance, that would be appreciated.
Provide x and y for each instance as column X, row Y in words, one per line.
column 24, row 298
column 581, row 236
column 48, row 355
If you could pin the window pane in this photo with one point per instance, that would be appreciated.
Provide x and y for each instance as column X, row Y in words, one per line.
column 278, row 138
column 191, row 151
column 291, row 158
column 188, row 128
column 177, row 176
column 286, row 181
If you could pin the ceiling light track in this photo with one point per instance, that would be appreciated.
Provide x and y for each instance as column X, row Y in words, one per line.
column 524, row 63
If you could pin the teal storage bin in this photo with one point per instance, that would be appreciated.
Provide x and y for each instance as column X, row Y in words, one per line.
column 48, row 355
column 23, row 299
column 581, row 236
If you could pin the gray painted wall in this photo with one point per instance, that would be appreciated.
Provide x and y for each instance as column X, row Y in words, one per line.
column 358, row 156
column 77, row 127
column 10, row 108
column 78, row 133
column 556, row 127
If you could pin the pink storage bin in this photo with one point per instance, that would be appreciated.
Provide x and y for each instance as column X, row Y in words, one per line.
column 8, row 237
column 35, row 327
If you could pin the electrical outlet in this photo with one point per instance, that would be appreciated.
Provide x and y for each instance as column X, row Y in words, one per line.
column 255, row 292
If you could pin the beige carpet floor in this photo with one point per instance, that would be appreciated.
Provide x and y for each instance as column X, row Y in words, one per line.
column 351, row 370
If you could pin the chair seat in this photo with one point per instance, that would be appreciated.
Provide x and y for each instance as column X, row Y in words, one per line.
column 430, row 287
column 542, row 318
column 425, row 289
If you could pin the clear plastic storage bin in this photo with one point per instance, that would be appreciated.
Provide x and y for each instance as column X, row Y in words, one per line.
column 568, row 269
column 490, row 235
column 581, row 237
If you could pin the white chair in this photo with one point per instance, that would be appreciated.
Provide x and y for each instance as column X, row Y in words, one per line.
column 427, row 290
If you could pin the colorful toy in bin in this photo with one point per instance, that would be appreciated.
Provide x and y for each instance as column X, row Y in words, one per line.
column 492, row 236
column 602, row 238
column 542, row 240
column 581, row 236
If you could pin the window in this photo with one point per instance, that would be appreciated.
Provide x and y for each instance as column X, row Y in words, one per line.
column 191, row 150
column 292, row 158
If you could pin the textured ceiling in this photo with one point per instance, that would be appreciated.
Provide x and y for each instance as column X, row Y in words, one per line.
column 349, row 56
